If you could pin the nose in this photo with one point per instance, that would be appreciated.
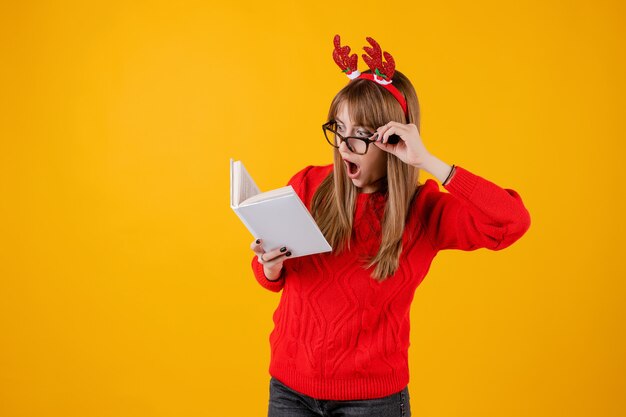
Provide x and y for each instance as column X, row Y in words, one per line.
column 343, row 142
column 343, row 146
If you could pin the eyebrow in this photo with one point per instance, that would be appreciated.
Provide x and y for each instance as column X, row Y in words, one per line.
column 337, row 120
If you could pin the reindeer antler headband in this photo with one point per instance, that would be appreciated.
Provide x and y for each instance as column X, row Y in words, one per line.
column 382, row 72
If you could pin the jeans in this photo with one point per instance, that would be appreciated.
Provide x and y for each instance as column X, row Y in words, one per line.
column 286, row 402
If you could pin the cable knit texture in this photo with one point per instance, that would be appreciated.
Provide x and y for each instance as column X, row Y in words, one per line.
column 340, row 335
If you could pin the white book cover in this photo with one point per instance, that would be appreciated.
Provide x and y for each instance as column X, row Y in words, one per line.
column 278, row 217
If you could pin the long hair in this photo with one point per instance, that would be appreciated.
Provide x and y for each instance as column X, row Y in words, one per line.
column 334, row 201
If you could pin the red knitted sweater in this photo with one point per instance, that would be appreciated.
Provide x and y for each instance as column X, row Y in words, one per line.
column 340, row 335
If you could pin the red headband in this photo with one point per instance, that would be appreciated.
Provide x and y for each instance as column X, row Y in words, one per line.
column 382, row 71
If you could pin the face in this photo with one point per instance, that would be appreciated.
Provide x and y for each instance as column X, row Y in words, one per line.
column 368, row 171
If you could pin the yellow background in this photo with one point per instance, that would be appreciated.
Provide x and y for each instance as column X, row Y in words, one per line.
column 125, row 279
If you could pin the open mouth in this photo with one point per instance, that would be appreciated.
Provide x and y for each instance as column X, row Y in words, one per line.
column 353, row 169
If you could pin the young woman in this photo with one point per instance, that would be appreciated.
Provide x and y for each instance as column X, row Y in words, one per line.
column 341, row 335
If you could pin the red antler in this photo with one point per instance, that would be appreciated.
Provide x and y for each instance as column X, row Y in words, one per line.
column 342, row 57
column 375, row 61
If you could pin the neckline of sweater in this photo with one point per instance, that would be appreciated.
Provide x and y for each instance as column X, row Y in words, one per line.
column 376, row 195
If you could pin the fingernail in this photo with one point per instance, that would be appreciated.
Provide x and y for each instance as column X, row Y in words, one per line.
column 283, row 249
column 288, row 254
column 258, row 241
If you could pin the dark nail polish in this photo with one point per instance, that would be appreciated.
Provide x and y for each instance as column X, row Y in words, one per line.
column 288, row 253
column 258, row 241
column 284, row 248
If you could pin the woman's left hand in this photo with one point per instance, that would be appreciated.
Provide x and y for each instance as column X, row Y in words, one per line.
column 410, row 149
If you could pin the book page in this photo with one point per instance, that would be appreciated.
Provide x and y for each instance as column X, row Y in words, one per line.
column 268, row 195
column 247, row 186
column 242, row 185
column 234, row 191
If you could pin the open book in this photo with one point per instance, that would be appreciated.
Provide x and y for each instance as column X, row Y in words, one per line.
column 278, row 217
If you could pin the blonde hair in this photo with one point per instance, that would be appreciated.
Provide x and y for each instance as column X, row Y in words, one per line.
column 334, row 201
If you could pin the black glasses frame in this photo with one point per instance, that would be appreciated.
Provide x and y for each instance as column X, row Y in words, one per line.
column 327, row 127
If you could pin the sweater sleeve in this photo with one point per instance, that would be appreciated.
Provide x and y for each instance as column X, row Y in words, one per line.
column 259, row 274
column 475, row 213
column 298, row 184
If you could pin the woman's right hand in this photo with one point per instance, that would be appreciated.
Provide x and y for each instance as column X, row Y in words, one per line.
column 272, row 261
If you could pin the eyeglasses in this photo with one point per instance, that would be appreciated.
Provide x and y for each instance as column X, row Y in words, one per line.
column 356, row 144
